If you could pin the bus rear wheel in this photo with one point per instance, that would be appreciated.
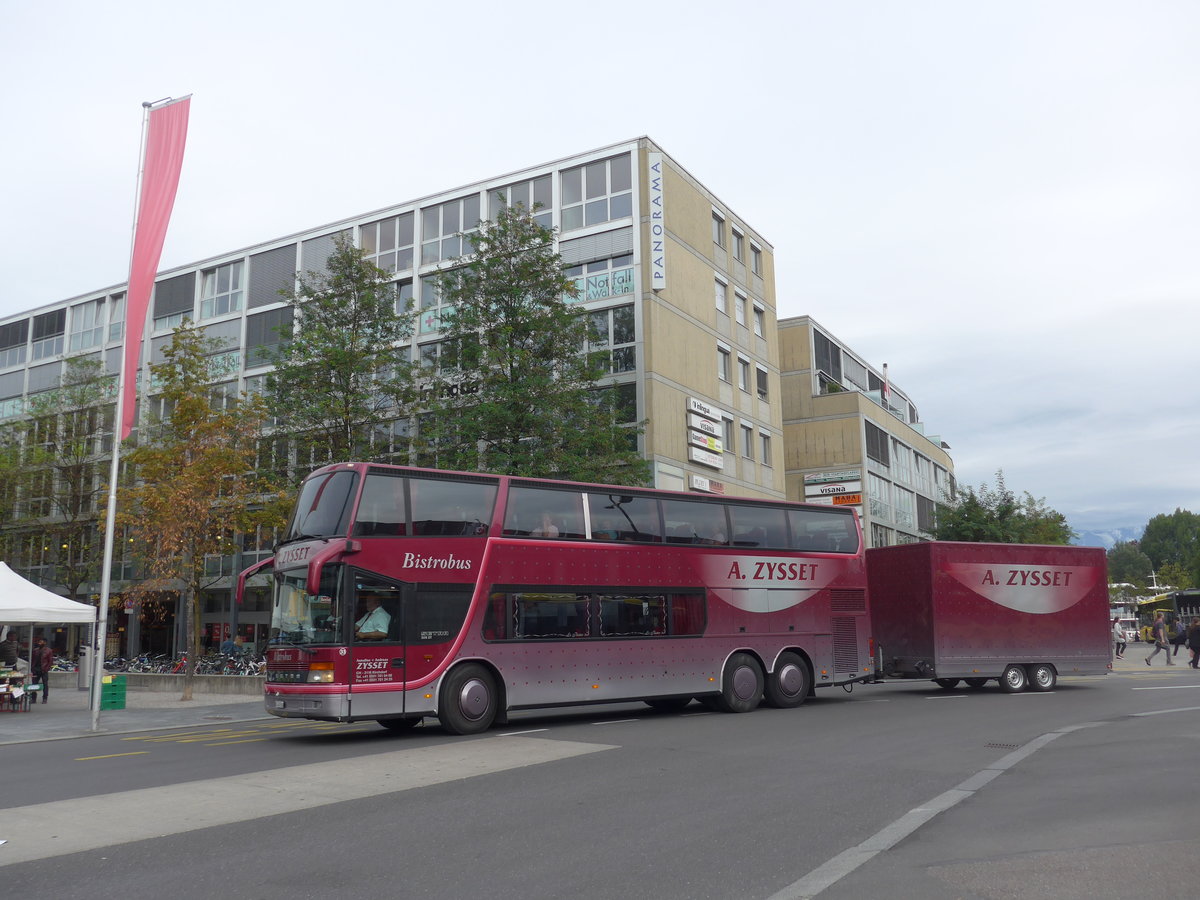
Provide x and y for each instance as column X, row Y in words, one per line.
column 788, row 685
column 946, row 683
column 468, row 702
column 976, row 682
column 741, row 684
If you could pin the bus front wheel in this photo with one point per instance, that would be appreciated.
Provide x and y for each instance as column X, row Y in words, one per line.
column 788, row 685
column 741, row 684
column 1014, row 679
column 468, row 704
column 399, row 724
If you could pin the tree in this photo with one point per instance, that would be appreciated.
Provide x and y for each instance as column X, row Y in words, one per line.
column 513, row 388
column 195, row 489
column 1127, row 564
column 998, row 516
column 339, row 378
column 1173, row 538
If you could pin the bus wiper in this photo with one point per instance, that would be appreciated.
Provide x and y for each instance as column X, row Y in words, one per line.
column 287, row 640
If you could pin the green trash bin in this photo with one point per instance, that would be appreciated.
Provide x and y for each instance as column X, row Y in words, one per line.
column 112, row 692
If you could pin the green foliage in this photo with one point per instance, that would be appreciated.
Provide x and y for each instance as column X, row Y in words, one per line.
column 1174, row 539
column 1128, row 564
column 194, row 487
column 997, row 516
column 514, row 392
column 1176, row 575
column 339, row 378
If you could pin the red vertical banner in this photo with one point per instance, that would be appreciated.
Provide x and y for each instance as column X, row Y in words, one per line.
column 166, row 135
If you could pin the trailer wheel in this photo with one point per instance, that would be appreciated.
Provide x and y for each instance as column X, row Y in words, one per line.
column 1042, row 677
column 468, row 702
column 946, row 683
column 976, row 682
column 741, row 684
column 787, row 686
column 1014, row 680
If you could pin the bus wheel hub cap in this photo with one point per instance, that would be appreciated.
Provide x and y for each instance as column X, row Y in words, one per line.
column 791, row 680
column 473, row 700
column 744, row 683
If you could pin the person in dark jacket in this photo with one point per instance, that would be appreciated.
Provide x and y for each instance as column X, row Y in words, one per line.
column 40, row 665
column 10, row 650
column 1193, row 642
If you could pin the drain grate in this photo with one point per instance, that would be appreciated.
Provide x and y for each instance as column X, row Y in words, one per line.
column 996, row 746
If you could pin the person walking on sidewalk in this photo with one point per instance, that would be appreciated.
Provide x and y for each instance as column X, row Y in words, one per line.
column 1118, row 637
column 40, row 666
column 1193, row 642
column 1158, row 634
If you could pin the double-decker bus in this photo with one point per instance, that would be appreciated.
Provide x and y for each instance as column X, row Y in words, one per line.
column 401, row 593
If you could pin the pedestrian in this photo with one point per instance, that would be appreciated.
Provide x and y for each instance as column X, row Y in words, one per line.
column 10, row 650
column 1158, row 634
column 1180, row 639
column 40, row 665
column 1118, row 633
column 1193, row 634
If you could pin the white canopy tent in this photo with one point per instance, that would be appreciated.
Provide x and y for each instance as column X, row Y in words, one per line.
column 24, row 603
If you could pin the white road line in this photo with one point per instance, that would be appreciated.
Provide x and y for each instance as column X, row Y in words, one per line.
column 515, row 733
column 949, row 697
column 1163, row 712
column 54, row 829
column 617, row 722
column 837, row 868
column 1167, row 687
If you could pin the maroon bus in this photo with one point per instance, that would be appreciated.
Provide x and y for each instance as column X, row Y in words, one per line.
column 401, row 593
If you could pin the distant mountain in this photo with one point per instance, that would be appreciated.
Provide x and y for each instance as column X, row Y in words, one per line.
column 1106, row 539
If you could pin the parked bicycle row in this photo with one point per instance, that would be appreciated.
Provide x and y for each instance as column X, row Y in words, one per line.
column 210, row 664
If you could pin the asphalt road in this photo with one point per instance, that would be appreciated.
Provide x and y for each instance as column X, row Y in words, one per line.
column 898, row 790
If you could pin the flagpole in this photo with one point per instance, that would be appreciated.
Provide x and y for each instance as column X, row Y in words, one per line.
column 110, row 520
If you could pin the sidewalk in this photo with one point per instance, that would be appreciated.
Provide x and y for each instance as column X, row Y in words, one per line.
column 67, row 714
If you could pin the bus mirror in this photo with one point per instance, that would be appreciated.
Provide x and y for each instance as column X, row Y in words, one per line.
column 353, row 546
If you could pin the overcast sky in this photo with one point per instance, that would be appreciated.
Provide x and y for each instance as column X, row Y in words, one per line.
column 999, row 199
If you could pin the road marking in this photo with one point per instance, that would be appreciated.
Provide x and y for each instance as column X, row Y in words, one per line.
column 530, row 731
column 242, row 741
column 111, row 755
column 1167, row 687
column 46, row 830
column 1163, row 712
column 616, row 722
column 950, row 697
column 837, row 868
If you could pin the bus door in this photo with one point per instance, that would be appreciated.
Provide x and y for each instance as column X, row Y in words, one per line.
column 378, row 651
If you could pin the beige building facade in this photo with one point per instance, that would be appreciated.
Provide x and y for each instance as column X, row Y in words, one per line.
column 853, row 438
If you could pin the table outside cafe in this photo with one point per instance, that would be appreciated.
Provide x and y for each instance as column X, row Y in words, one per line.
column 24, row 603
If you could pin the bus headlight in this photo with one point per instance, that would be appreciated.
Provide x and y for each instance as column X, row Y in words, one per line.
column 320, row 673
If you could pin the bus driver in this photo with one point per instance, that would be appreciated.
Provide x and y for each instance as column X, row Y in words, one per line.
column 373, row 626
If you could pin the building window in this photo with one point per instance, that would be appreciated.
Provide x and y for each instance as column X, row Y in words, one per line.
column 388, row 243
column 901, row 462
column 601, row 279
column 727, row 435
column 48, row 331
column 739, row 308
column 828, row 356
column 597, row 192
column 880, row 536
column 13, row 338
column 533, row 194
column 877, row 444
column 221, row 291
column 744, row 374
column 116, row 318
column 926, row 514
column 723, row 364
column 747, row 442
column 87, row 325
column 442, row 225
column 739, row 246
column 759, row 317
column 764, row 446
column 722, row 293
column 755, row 260
column 611, row 331
column 760, row 382
column 404, row 297
column 718, row 228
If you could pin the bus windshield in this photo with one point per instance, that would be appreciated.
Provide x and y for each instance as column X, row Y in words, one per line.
column 301, row 618
column 323, row 509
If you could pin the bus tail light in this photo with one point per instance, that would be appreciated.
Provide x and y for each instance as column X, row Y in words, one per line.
column 320, row 673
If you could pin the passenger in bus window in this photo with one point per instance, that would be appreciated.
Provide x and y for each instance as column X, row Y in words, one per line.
column 547, row 528
column 606, row 530
column 374, row 624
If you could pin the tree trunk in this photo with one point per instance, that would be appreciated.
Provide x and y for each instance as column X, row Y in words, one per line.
column 192, row 640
